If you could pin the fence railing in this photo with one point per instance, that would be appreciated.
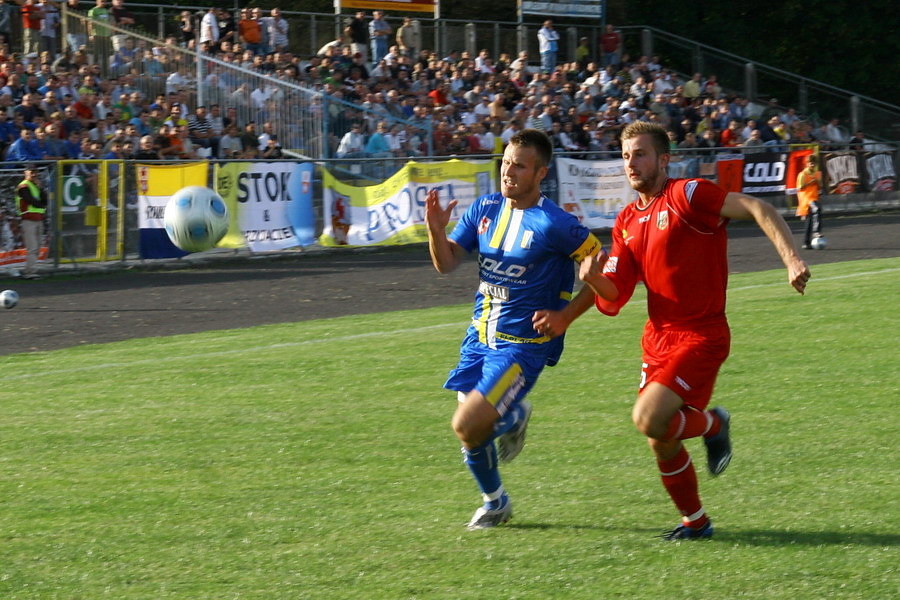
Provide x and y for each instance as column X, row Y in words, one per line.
column 817, row 101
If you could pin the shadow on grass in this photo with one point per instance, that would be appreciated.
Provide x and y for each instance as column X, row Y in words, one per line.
column 769, row 537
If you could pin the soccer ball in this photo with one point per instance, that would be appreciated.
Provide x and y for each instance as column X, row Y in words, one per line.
column 195, row 218
column 818, row 243
column 9, row 298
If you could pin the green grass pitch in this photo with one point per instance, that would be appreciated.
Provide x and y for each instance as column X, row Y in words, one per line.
column 315, row 460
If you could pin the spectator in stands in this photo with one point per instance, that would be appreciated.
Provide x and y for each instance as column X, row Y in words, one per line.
column 31, row 27
column 352, row 144
column 230, row 145
column 358, row 32
column 277, row 28
column 7, row 14
column 49, row 27
column 611, row 45
column 731, row 136
column 187, row 30
column 835, row 134
column 406, row 39
column 25, row 148
column 250, row 32
column 200, row 131
column 379, row 34
column 98, row 34
column 754, row 143
column 767, row 132
column 548, row 44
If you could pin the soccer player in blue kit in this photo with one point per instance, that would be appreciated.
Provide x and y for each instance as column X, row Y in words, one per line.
column 526, row 247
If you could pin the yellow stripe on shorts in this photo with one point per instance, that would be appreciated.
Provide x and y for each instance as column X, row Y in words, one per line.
column 511, row 379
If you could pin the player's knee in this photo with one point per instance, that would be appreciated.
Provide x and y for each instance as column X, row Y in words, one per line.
column 647, row 423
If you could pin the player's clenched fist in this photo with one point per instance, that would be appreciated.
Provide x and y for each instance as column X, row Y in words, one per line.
column 592, row 266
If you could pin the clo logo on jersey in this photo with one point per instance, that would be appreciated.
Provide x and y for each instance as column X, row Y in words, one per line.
column 496, row 267
column 483, row 225
column 662, row 219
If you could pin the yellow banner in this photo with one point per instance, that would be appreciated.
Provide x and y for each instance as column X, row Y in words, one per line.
column 394, row 212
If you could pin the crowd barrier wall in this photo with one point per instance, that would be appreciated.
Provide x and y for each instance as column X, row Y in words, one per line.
column 106, row 211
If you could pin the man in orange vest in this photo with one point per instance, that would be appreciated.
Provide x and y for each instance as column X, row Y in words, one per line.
column 809, row 182
column 32, row 204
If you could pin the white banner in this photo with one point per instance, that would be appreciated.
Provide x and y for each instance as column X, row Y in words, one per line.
column 564, row 8
column 593, row 190
column 259, row 199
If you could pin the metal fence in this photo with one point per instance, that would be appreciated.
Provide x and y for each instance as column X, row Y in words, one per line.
column 816, row 100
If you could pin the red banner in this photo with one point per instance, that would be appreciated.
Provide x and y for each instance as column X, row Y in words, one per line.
column 730, row 172
column 429, row 6
column 796, row 163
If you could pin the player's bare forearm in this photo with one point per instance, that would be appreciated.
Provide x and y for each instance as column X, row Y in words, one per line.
column 591, row 272
column 445, row 255
column 741, row 206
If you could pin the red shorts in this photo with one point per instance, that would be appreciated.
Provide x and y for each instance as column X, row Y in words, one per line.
column 685, row 360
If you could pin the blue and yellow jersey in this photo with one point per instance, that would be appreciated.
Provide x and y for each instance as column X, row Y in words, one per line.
column 525, row 263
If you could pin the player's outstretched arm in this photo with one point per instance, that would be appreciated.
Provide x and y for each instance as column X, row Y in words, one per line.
column 591, row 272
column 742, row 206
column 445, row 254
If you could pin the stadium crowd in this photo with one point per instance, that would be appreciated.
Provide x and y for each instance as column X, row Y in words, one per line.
column 69, row 100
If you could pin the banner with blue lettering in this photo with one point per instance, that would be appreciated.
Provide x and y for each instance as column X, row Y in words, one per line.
column 393, row 212
column 156, row 183
column 270, row 204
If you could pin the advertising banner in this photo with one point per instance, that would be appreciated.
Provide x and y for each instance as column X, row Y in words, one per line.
column 593, row 190
column 842, row 170
column 564, row 8
column 428, row 6
column 796, row 163
column 393, row 212
column 880, row 173
column 730, row 172
column 765, row 173
column 270, row 204
column 156, row 183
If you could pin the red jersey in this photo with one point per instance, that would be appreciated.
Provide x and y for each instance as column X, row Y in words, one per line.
column 678, row 247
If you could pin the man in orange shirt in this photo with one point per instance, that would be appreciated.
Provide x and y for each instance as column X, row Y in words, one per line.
column 809, row 181
column 250, row 31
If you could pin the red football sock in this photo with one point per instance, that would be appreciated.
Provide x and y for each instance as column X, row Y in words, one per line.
column 690, row 423
column 680, row 480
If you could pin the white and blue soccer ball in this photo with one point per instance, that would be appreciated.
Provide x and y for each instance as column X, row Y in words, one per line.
column 9, row 298
column 818, row 243
column 195, row 218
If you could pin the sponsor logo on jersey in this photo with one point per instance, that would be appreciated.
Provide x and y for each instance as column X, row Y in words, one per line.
column 683, row 383
column 611, row 263
column 491, row 290
column 689, row 188
column 662, row 219
column 498, row 268
column 483, row 225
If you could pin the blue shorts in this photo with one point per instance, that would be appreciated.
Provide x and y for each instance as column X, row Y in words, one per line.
column 503, row 375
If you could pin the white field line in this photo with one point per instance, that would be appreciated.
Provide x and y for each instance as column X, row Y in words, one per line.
column 343, row 338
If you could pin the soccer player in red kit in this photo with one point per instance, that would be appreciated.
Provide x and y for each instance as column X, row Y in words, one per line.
column 673, row 238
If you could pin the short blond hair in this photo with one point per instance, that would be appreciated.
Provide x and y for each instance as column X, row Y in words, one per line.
column 659, row 137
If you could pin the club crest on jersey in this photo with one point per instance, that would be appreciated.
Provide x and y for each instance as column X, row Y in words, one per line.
column 483, row 225
column 662, row 219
